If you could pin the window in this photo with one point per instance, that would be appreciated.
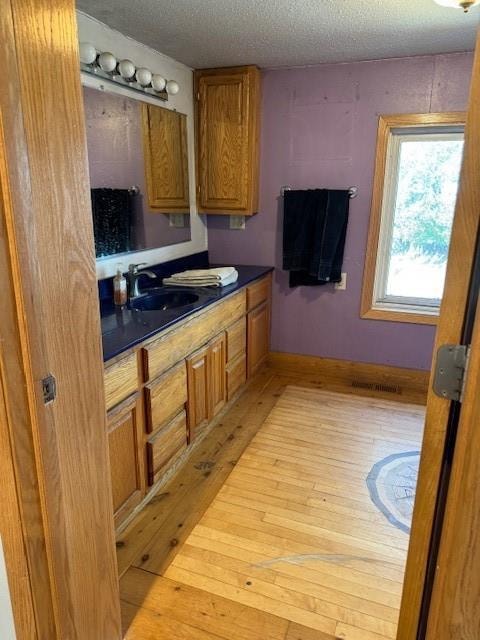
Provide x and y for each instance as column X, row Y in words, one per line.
column 415, row 188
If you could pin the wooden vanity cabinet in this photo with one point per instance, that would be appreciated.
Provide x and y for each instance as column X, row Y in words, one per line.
column 206, row 385
column 163, row 395
column 197, row 376
column 258, row 324
column 127, row 458
column 258, row 337
column 166, row 446
column 166, row 159
column 227, row 136
column 217, row 395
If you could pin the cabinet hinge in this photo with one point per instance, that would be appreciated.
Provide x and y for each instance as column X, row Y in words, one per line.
column 451, row 371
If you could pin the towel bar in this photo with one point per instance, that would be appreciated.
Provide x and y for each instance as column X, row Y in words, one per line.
column 353, row 191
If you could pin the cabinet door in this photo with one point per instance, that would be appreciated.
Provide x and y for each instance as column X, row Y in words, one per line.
column 166, row 159
column 216, row 375
column 228, row 113
column 258, row 337
column 127, row 465
column 197, row 382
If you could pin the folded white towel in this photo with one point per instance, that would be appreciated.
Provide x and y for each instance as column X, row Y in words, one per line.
column 218, row 273
column 201, row 282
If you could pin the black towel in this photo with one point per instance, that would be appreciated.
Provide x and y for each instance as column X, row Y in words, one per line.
column 112, row 220
column 314, row 232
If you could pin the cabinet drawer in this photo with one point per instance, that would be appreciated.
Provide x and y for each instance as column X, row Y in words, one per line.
column 166, row 446
column 258, row 293
column 236, row 339
column 236, row 375
column 177, row 344
column 121, row 380
column 165, row 397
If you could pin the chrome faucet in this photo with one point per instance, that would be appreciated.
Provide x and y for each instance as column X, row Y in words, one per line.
column 133, row 277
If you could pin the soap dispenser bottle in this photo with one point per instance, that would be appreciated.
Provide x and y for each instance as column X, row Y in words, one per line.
column 120, row 288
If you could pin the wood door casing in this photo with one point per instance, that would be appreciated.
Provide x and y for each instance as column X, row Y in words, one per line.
column 217, row 392
column 166, row 159
column 127, row 467
column 197, row 383
column 227, row 139
column 258, row 337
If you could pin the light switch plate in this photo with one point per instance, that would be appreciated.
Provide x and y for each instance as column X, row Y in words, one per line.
column 237, row 222
column 342, row 285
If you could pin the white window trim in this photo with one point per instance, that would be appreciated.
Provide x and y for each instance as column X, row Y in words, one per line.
column 382, row 302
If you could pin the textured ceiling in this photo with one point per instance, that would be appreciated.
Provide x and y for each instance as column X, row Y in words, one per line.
column 208, row 33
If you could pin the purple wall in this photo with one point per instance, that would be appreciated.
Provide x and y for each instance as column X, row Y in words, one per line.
column 319, row 130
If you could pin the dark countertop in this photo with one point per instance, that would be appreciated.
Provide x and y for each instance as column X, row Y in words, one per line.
column 125, row 328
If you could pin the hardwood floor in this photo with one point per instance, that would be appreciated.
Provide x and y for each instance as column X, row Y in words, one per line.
column 269, row 531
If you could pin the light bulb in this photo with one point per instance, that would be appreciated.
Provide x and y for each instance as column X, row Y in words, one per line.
column 143, row 76
column 126, row 68
column 88, row 53
column 158, row 82
column 107, row 61
column 172, row 87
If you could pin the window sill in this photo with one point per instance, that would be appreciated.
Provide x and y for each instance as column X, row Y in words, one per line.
column 392, row 315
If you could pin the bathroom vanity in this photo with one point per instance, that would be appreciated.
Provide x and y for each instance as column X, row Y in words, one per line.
column 169, row 373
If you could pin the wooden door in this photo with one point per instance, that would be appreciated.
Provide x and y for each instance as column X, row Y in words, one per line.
column 217, row 375
column 50, row 325
column 127, row 466
column 454, row 611
column 197, row 383
column 258, row 337
column 450, row 331
column 166, row 159
column 227, row 139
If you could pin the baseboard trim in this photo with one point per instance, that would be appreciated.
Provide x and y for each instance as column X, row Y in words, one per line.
column 412, row 383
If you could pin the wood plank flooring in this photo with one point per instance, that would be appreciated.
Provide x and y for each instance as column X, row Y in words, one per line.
column 283, row 541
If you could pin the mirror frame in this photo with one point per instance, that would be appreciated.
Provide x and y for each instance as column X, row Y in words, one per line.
column 106, row 267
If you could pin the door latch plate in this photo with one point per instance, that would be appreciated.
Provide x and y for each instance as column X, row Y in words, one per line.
column 450, row 369
column 49, row 389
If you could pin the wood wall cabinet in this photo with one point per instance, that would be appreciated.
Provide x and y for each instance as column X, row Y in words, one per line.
column 166, row 159
column 125, row 445
column 227, row 136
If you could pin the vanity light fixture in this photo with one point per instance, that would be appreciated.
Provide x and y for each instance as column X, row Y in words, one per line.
column 105, row 65
column 458, row 4
column 107, row 62
column 158, row 82
column 143, row 76
column 172, row 87
column 126, row 69
column 88, row 53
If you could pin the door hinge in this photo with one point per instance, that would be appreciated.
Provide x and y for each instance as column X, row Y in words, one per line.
column 451, row 371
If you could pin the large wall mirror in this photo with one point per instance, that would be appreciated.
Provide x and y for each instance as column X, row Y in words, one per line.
column 139, row 177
